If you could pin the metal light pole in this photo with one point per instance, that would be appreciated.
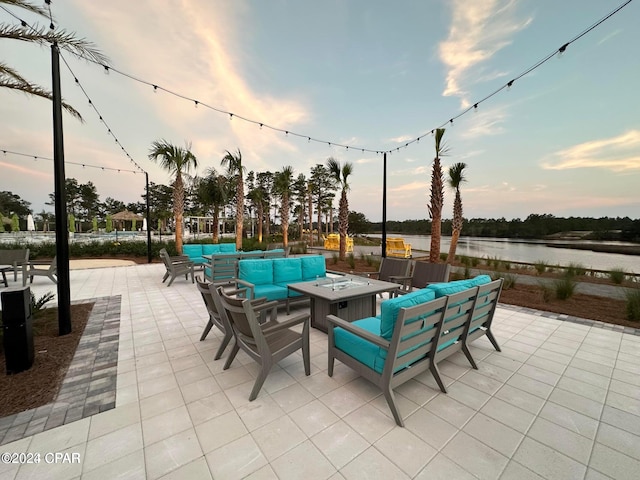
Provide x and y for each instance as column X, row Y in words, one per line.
column 62, row 235
column 384, row 205
column 146, row 176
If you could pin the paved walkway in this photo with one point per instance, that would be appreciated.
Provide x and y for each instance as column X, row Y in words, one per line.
column 561, row 401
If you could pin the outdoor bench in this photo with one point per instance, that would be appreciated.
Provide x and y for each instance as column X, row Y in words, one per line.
column 224, row 266
column 397, row 248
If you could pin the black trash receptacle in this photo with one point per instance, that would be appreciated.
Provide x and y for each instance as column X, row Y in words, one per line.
column 17, row 329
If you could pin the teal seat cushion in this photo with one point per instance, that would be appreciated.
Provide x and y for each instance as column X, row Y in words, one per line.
column 210, row 248
column 227, row 247
column 362, row 350
column 313, row 266
column 390, row 309
column 287, row 270
column 449, row 288
column 272, row 292
column 258, row 272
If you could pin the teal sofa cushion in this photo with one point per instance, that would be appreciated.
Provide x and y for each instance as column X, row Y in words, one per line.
column 313, row 266
column 194, row 252
column 390, row 308
column 287, row 270
column 227, row 247
column 258, row 272
column 449, row 288
column 210, row 248
column 362, row 350
column 272, row 292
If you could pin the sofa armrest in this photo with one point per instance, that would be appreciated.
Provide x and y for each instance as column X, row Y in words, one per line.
column 360, row 332
column 247, row 285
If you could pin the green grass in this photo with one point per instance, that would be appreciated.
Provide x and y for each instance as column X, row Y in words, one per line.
column 617, row 275
column 508, row 280
column 540, row 266
column 564, row 287
column 576, row 269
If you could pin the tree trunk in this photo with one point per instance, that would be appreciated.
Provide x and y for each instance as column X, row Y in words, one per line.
column 284, row 216
column 455, row 235
column 310, row 219
column 215, row 237
column 260, row 218
column 239, row 212
column 178, row 211
column 343, row 223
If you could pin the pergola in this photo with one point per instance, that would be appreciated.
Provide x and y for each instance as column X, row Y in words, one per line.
column 126, row 216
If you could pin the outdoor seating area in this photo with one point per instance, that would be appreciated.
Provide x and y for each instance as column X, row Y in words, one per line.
column 560, row 400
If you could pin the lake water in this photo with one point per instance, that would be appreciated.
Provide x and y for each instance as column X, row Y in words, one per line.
column 530, row 251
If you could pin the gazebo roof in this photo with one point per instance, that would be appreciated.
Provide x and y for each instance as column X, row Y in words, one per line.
column 126, row 215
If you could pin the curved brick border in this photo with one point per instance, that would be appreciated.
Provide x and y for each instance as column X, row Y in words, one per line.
column 89, row 386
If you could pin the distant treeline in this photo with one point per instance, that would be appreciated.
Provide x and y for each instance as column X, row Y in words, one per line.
column 533, row 227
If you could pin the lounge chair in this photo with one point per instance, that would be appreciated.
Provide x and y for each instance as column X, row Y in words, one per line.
column 266, row 343
column 217, row 315
column 180, row 265
column 40, row 268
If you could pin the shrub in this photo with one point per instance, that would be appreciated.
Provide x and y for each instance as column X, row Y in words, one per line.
column 576, row 269
column 37, row 305
column 334, row 258
column 564, row 287
column 467, row 272
column 508, row 280
column 540, row 266
column 475, row 261
column 443, row 257
column 507, row 265
column 617, row 275
column 351, row 260
column 547, row 292
column 465, row 260
column 633, row 305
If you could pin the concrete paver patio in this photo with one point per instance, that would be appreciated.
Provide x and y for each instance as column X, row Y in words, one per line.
column 561, row 401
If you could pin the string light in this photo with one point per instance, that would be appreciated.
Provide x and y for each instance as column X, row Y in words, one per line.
column 474, row 106
column 83, row 165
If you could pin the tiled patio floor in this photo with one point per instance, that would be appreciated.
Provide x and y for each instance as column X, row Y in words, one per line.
column 562, row 401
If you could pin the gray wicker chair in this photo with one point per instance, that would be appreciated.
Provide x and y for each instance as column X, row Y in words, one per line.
column 217, row 315
column 175, row 266
column 266, row 343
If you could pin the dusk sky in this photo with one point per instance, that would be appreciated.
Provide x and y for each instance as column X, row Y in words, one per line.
column 564, row 139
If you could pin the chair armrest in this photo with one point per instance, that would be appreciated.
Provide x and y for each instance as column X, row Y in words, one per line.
column 290, row 322
column 248, row 286
column 356, row 330
column 39, row 262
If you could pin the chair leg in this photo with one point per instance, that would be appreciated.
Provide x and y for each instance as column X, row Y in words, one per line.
column 305, row 349
column 173, row 277
column 493, row 340
column 467, row 353
column 223, row 345
column 206, row 331
column 262, row 376
column 232, row 356
column 436, row 374
column 166, row 275
column 389, row 396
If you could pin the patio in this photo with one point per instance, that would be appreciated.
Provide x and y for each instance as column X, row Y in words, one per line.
column 562, row 401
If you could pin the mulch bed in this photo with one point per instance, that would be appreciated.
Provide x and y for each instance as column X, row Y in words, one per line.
column 52, row 355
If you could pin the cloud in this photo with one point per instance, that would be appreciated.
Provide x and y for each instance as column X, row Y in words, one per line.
column 485, row 123
column 477, row 32
column 617, row 154
column 401, row 139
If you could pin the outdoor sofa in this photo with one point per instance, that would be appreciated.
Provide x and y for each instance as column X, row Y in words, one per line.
column 224, row 266
column 195, row 251
column 414, row 332
column 270, row 278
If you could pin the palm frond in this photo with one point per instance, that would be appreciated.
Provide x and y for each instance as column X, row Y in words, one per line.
column 26, row 6
column 42, row 35
column 32, row 89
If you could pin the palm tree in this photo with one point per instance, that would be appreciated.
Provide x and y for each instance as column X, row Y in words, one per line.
column 177, row 161
column 43, row 35
column 283, row 182
column 235, row 170
column 300, row 193
column 437, row 198
column 456, row 178
column 341, row 175
column 212, row 191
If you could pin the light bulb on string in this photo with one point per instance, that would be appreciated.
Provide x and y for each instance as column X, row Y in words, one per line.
column 155, row 89
column 106, row 70
column 562, row 49
column 509, row 85
column 475, row 108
